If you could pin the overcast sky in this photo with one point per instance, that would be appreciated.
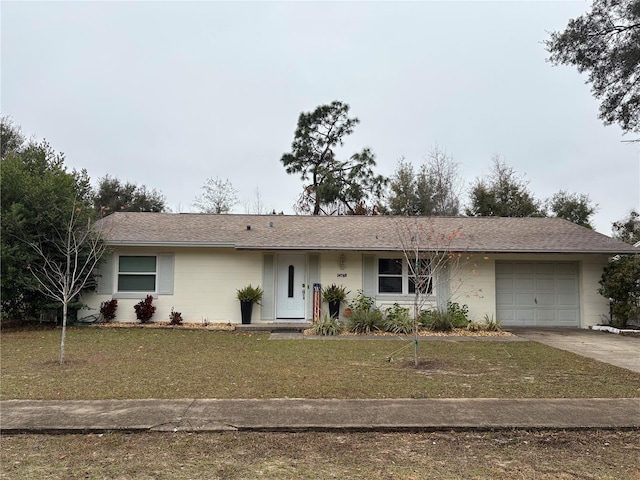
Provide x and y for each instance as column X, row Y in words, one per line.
column 167, row 94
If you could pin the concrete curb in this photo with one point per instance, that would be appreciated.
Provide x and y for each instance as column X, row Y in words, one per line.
column 276, row 415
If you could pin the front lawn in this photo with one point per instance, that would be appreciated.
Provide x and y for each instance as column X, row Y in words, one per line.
column 119, row 363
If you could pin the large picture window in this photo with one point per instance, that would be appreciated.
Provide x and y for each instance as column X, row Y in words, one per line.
column 396, row 277
column 137, row 273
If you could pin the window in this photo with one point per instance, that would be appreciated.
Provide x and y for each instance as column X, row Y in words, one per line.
column 395, row 277
column 422, row 276
column 390, row 275
column 137, row 273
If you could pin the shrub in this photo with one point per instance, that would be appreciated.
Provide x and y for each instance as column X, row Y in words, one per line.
column 436, row 320
column 365, row 321
column 144, row 309
column 327, row 326
column 458, row 314
column 175, row 318
column 490, row 324
column 397, row 320
column 108, row 309
column 475, row 327
column 620, row 284
column 362, row 302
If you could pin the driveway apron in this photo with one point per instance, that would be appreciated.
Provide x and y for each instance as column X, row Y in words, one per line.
column 621, row 351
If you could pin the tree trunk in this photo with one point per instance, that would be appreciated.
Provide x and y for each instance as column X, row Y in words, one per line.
column 65, row 309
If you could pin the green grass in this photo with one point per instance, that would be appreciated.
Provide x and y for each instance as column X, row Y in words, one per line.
column 124, row 363
column 502, row 455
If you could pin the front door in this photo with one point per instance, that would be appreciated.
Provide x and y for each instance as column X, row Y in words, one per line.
column 291, row 285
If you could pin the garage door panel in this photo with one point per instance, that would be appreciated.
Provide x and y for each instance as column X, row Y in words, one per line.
column 523, row 268
column 546, row 299
column 507, row 299
column 567, row 285
column 537, row 294
column 525, row 316
column 523, row 284
column 545, row 269
column 545, row 284
column 566, row 301
column 570, row 269
column 525, row 300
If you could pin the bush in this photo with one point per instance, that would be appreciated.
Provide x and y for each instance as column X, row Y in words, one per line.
column 175, row 318
column 397, row 320
column 108, row 309
column 475, row 327
column 327, row 326
column 490, row 324
column 436, row 320
column 458, row 314
column 144, row 309
column 365, row 321
column 620, row 284
column 362, row 302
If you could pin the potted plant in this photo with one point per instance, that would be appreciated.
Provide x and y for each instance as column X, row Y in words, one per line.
column 334, row 295
column 248, row 296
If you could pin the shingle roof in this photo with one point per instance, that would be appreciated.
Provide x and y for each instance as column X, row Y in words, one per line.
column 377, row 233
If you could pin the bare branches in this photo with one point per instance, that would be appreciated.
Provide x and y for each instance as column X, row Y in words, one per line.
column 68, row 262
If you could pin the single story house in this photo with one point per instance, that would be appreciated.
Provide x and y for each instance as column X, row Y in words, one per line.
column 522, row 271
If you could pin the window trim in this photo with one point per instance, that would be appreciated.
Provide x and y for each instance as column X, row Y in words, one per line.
column 405, row 278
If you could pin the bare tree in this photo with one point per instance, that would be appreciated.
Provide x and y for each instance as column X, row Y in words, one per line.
column 446, row 182
column 256, row 205
column 219, row 196
column 432, row 260
column 68, row 262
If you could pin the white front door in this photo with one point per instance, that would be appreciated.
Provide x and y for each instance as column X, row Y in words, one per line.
column 290, row 297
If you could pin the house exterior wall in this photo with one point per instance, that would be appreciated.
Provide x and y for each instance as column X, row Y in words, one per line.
column 205, row 281
column 205, row 284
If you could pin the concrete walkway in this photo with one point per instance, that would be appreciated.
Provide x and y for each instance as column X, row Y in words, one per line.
column 206, row 415
column 618, row 350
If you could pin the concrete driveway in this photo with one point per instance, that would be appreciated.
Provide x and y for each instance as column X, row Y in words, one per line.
column 618, row 350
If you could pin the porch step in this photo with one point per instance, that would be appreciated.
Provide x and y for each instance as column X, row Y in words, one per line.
column 273, row 327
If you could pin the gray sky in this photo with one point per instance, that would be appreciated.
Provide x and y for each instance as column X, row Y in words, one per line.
column 168, row 94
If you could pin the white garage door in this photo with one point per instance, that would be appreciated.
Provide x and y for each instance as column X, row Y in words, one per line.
column 537, row 294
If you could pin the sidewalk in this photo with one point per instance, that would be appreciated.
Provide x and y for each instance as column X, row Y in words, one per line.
column 214, row 415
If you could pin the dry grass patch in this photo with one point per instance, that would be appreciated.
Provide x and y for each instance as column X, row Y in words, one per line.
column 543, row 455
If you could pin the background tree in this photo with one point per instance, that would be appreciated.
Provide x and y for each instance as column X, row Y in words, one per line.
column 620, row 282
column 67, row 259
column 219, row 196
column 628, row 229
column 503, row 194
column 11, row 137
column 36, row 187
column 434, row 190
column 112, row 195
column 332, row 186
column 605, row 43
column 576, row 208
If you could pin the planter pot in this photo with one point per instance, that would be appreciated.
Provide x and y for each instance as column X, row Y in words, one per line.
column 334, row 309
column 245, row 309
